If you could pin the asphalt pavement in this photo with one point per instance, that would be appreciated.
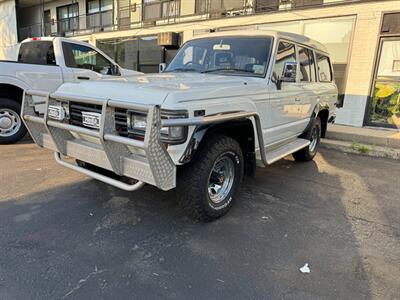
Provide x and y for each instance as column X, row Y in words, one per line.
column 64, row 236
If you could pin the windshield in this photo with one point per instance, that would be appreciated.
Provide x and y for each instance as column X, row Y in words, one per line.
column 246, row 56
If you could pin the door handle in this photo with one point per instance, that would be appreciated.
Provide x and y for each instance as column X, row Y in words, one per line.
column 297, row 99
column 83, row 78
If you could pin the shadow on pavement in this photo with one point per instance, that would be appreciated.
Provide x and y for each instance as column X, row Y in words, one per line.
column 88, row 240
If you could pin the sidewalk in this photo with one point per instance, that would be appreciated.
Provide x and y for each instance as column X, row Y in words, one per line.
column 368, row 141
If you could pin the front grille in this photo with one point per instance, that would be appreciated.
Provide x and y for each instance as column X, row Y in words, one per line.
column 121, row 122
column 76, row 109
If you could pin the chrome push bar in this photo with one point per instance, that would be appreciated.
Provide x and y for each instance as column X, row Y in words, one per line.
column 112, row 151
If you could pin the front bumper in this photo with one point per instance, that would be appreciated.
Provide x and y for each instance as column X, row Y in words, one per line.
column 146, row 161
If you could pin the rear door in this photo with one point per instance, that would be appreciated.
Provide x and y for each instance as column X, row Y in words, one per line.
column 87, row 63
column 308, row 82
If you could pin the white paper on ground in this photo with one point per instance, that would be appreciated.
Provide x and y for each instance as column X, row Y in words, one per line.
column 305, row 269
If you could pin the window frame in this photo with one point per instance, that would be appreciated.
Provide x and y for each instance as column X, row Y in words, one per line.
column 316, row 53
column 270, row 56
column 276, row 55
column 160, row 12
column 298, row 46
column 99, row 12
column 37, row 63
column 70, row 62
column 59, row 20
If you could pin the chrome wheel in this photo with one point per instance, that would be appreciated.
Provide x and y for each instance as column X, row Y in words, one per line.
column 221, row 179
column 10, row 122
column 314, row 139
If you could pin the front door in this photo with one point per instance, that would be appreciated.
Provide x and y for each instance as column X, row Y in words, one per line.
column 384, row 106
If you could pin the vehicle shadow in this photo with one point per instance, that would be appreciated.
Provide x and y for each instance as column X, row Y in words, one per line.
column 90, row 240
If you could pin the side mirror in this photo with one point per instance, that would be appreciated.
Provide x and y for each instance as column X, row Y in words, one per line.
column 162, row 67
column 289, row 73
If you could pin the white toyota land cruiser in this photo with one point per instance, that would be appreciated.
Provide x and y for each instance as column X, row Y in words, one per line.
column 228, row 101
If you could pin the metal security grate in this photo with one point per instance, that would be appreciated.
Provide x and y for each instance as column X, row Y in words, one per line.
column 76, row 109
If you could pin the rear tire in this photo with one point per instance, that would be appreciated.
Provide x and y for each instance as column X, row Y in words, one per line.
column 12, row 129
column 206, row 186
column 314, row 136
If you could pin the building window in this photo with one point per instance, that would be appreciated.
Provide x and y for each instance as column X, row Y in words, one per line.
column 305, row 3
column 139, row 54
column 160, row 9
column 99, row 13
column 68, row 18
column 266, row 5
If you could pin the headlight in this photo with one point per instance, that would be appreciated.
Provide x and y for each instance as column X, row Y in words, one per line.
column 137, row 123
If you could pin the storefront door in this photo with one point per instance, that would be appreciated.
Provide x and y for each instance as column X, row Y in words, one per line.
column 384, row 108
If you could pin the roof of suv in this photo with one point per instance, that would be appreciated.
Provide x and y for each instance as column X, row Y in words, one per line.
column 301, row 39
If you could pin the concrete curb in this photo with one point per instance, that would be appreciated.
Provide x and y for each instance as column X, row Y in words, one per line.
column 361, row 149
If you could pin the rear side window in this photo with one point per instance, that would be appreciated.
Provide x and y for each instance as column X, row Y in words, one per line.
column 37, row 53
column 324, row 68
column 82, row 57
column 307, row 65
column 286, row 53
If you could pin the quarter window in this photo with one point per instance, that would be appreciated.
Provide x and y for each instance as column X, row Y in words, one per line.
column 286, row 54
column 307, row 65
column 324, row 68
column 82, row 57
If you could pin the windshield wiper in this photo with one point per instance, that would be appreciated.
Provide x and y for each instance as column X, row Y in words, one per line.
column 184, row 70
column 230, row 69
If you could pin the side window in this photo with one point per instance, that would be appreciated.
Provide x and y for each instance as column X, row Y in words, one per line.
column 324, row 68
column 286, row 53
column 82, row 57
column 37, row 53
column 307, row 65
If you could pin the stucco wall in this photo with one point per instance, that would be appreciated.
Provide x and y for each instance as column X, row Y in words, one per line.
column 8, row 30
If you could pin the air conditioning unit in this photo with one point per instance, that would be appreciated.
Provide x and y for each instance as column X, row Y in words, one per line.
column 168, row 39
column 234, row 13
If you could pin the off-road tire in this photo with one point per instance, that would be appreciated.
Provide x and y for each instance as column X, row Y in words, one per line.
column 193, row 179
column 307, row 153
column 16, row 108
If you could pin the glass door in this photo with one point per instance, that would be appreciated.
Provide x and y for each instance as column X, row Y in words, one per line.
column 384, row 108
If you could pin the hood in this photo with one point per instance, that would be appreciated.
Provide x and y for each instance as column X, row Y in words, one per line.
column 155, row 88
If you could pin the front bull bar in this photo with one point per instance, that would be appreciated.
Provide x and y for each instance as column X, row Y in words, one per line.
column 114, row 152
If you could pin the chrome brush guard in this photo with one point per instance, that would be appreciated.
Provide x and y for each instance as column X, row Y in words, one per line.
column 110, row 151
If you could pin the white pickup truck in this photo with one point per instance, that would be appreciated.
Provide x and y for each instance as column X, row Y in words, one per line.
column 45, row 64
column 227, row 102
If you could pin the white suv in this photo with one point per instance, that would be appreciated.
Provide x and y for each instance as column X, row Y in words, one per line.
column 228, row 101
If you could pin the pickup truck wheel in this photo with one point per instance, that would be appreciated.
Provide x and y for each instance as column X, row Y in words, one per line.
column 12, row 129
column 206, row 185
column 314, row 135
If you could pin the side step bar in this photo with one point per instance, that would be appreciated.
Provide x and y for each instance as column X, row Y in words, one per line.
column 102, row 178
column 281, row 152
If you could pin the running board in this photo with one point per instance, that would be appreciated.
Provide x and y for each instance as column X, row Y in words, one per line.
column 281, row 152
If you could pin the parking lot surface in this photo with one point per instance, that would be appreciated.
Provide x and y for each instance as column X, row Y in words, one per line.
column 64, row 236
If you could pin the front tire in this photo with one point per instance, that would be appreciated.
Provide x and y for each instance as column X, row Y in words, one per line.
column 12, row 129
column 207, row 185
column 314, row 136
